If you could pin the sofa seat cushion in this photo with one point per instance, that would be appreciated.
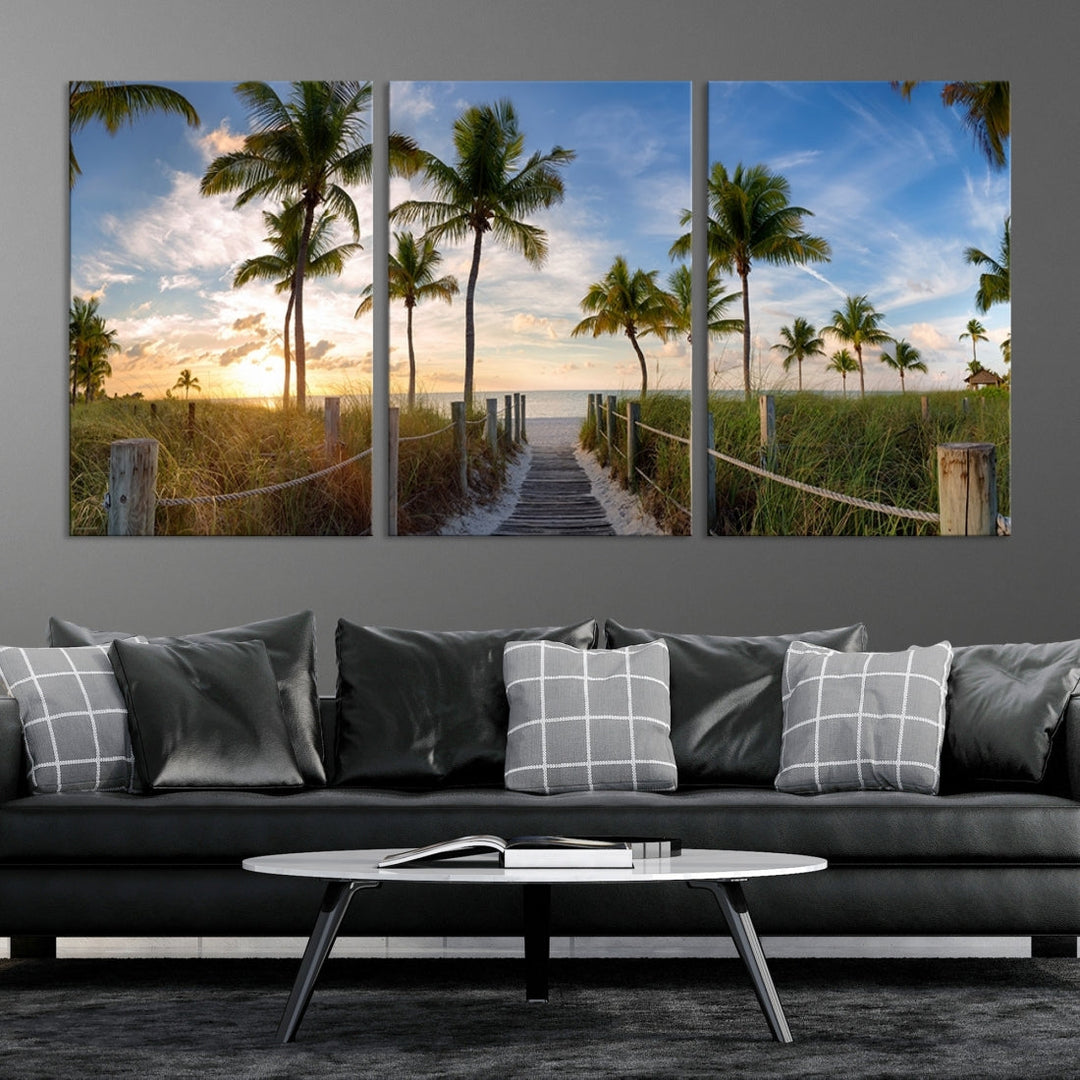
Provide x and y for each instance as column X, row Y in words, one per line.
column 226, row 826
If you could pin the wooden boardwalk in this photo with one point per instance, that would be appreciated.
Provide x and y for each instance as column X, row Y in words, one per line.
column 556, row 499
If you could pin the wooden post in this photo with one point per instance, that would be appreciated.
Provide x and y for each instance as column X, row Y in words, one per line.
column 395, row 430
column 590, row 409
column 332, row 427
column 924, row 402
column 508, row 423
column 965, row 406
column 132, row 487
column 153, row 410
column 767, row 410
column 710, row 475
column 190, row 420
column 493, row 424
column 517, row 419
column 524, row 437
column 457, row 415
column 611, row 432
column 633, row 415
column 967, row 489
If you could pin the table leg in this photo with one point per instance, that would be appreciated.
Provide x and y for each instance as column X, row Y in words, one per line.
column 729, row 895
column 537, row 904
column 334, row 905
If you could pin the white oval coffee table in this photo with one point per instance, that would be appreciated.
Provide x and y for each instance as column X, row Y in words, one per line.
column 721, row 872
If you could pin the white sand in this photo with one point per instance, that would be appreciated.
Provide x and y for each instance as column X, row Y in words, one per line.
column 622, row 509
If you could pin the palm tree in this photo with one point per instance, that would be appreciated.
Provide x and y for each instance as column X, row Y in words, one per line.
column 974, row 367
column 800, row 341
column 630, row 303
column 280, row 266
column 487, row 189
column 905, row 357
column 1006, row 350
column 304, row 150
column 750, row 217
column 90, row 341
column 858, row 324
column 187, row 383
column 843, row 362
column 977, row 332
column 994, row 285
column 115, row 104
column 986, row 108
column 411, row 270
column 680, row 287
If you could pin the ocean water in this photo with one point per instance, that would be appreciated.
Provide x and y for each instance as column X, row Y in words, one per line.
column 540, row 404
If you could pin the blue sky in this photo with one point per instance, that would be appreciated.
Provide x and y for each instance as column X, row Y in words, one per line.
column 624, row 192
column 896, row 187
column 161, row 258
column 899, row 190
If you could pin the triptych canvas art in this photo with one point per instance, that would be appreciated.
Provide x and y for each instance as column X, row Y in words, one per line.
column 539, row 297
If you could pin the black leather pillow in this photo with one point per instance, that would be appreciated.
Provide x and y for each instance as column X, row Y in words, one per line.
column 204, row 715
column 1004, row 706
column 419, row 709
column 726, row 710
column 290, row 646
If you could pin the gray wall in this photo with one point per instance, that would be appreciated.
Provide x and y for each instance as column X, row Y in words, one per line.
column 1023, row 588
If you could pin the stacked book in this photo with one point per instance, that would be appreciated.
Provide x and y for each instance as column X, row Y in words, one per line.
column 535, row 852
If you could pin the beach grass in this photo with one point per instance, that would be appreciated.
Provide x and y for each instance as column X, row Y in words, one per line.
column 878, row 448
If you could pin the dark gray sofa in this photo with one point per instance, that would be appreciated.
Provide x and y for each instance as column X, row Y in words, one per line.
column 994, row 862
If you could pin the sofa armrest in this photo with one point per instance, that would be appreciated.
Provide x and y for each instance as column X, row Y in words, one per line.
column 1072, row 744
column 11, row 749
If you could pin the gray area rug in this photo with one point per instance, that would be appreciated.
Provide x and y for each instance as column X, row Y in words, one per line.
column 468, row 1018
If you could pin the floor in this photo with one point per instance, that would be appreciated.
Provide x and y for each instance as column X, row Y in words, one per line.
column 669, row 947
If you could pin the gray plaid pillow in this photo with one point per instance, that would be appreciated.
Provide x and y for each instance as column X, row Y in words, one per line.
column 858, row 721
column 73, row 717
column 588, row 719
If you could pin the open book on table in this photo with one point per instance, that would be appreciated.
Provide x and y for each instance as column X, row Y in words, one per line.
column 522, row 852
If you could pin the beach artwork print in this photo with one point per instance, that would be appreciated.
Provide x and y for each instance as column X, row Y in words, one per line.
column 219, row 371
column 859, row 322
column 539, row 317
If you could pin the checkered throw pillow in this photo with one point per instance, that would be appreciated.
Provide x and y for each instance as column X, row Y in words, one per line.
column 588, row 719
column 73, row 717
column 857, row 721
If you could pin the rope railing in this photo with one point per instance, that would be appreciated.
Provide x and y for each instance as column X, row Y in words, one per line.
column 836, row 496
column 656, row 487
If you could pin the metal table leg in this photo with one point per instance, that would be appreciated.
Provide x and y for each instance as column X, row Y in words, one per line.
column 537, row 905
column 732, row 902
column 334, row 905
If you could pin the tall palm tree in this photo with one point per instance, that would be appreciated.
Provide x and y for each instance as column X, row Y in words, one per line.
column 90, row 341
column 986, row 113
column 304, row 150
column 843, row 362
column 680, row 287
column 488, row 188
column 751, row 218
column 284, row 236
column 859, row 324
column 411, row 270
column 994, row 285
column 187, row 382
column 904, row 358
column 977, row 332
column 115, row 104
column 628, row 302
column 800, row 341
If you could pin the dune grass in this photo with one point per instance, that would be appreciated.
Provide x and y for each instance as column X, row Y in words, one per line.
column 231, row 447
column 877, row 448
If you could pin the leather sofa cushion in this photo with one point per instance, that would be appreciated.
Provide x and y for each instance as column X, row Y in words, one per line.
column 882, row 827
column 290, row 645
column 1005, row 705
column 726, row 708
column 204, row 714
column 423, row 709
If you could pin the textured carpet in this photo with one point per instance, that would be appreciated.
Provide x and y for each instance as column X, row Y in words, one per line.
column 468, row 1018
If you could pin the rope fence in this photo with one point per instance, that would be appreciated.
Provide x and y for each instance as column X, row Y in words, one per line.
column 967, row 488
